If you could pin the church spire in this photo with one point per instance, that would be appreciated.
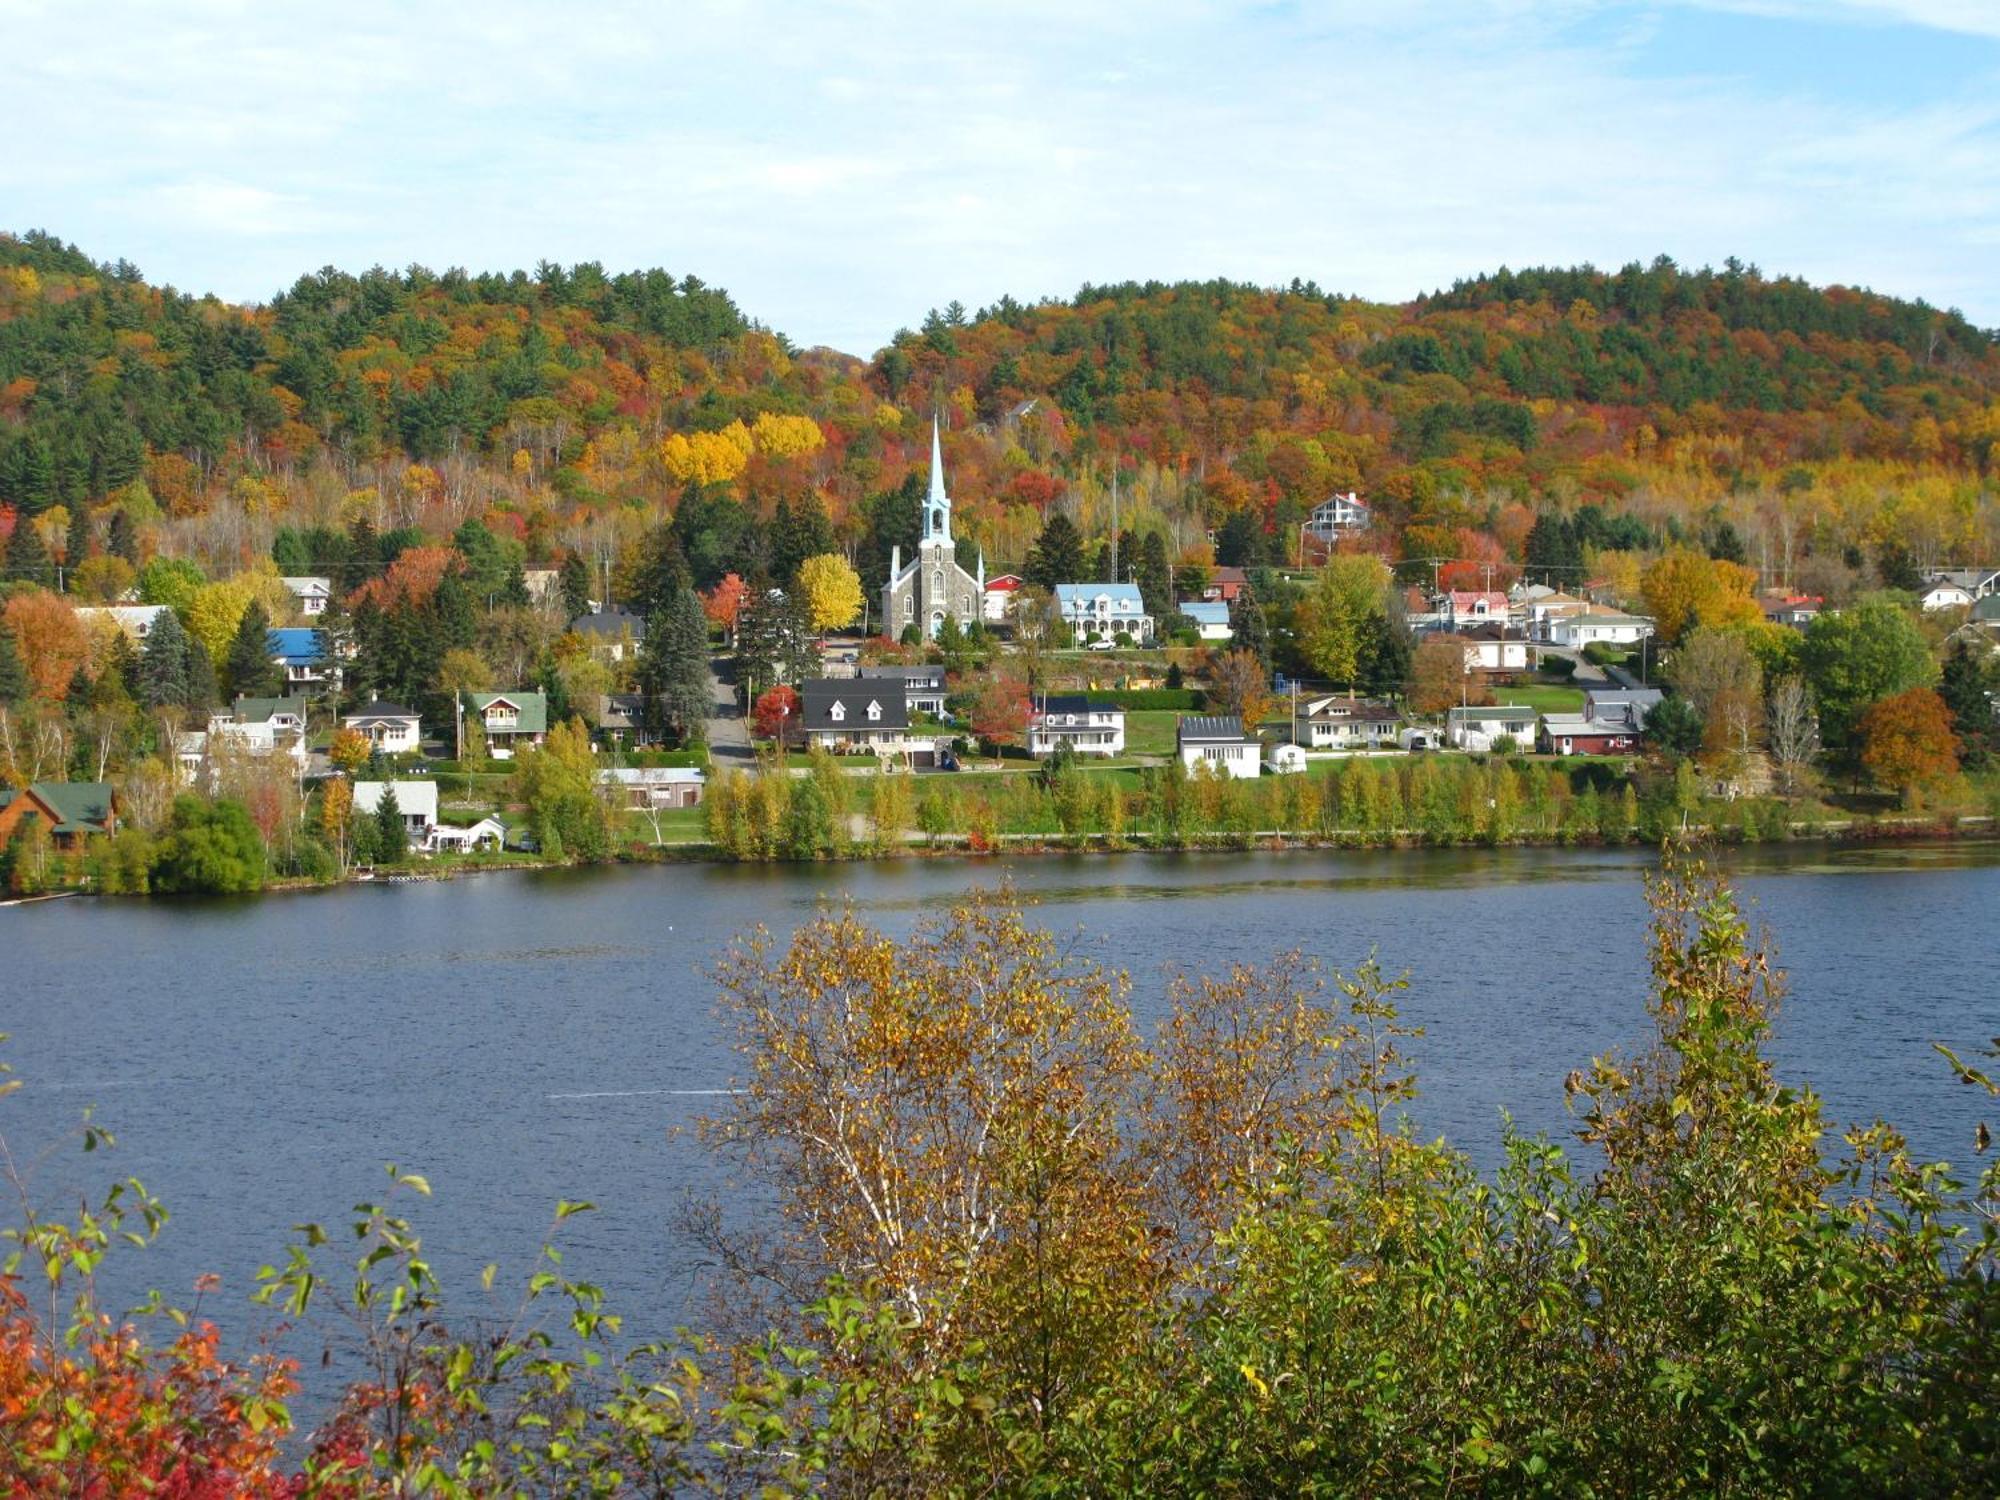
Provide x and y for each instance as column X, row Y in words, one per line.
column 937, row 507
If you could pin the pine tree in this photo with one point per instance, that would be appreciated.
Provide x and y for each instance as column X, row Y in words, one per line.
column 249, row 670
column 574, row 581
column 1156, row 578
column 124, row 537
column 392, row 837
column 163, row 665
column 13, row 675
column 673, row 670
column 514, row 592
column 200, row 677
column 454, row 621
column 1058, row 554
column 1967, row 686
column 1249, row 630
column 28, row 561
column 76, row 546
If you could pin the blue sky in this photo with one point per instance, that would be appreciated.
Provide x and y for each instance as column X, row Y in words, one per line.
column 841, row 167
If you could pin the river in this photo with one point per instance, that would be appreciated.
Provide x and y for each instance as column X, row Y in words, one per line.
column 525, row 1037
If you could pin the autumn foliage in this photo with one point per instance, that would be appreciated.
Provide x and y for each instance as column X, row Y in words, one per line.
column 1907, row 742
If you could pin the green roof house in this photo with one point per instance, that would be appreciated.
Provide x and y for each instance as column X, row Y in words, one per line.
column 510, row 720
column 73, row 810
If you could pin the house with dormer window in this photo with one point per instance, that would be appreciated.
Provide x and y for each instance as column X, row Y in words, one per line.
column 847, row 714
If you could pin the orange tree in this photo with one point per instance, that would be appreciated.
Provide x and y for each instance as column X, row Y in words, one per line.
column 1907, row 743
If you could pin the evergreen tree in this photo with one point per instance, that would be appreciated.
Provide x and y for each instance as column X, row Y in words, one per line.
column 76, row 546
column 1239, row 540
column 1387, row 653
column 200, row 677
column 486, row 561
column 573, row 579
column 290, row 551
column 798, row 531
column 454, row 618
column 123, row 540
column 1725, row 545
column 392, row 835
column 28, row 561
column 1156, row 578
column 364, row 554
column 514, row 592
column 13, row 675
column 248, row 670
column 1058, row 554
column 1968, row 685
column 163, row 665
column 660, row 575
column 673, row 670
column 1249, row 630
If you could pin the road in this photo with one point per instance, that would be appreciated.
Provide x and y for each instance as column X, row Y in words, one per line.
column 728, row 735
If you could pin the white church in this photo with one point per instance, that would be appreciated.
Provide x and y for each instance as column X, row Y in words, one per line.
column 934, row 586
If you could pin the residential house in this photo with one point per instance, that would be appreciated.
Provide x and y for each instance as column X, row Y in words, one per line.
column 1104, row 610
column 643, row 788
column 1958, row 588
column 1337, row 722
column 1494, row 646
column 1628, row 706
column 1539, row 611
column 488, row 833
column 844, row 714
column 136, row 620
column 301, row 651
column 1337, row 516
column 1088, row 726
column 1218, row 741
column 1582, row 734
column 1459, row 608
column 1285, row 760
column 923, row 686
column 1599, row 626
column 1484, row 726
column 72, row 811
column 260, row 726
column 1211, row 618
column 310, row 596
column 616, row 633
column 1224, row 584
column 510, row 720
column 416, row 800
column 997, row 600
column 621, row 719
column 390, row 728
column 190, row 755
column 1795, row 611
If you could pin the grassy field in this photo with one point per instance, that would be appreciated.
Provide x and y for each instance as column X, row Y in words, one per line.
column 1150, row 731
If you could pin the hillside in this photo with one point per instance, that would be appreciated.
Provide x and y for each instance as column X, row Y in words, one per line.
column 567, row 408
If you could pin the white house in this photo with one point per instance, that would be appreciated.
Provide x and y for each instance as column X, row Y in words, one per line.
column 1218, row 741
column 1494, row 647
column 1104, row 610
column 1592, row 628
column 390, row 728
column 1336, row 516
column 1942, row 593
column 417, row 801
column 923, row 687
column 136, row 620
column 260, row 726
column 1341, row 723
column 1958, row 588
column 1211, row 618
column 1285, row 760
column 488, row 833
column 1461, row 607
column 1482, row 727
column 616, row 632
column 310, row 596
column 998, row 598
column 1088, row 727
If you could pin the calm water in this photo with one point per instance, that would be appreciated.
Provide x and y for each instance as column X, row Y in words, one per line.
column 521, row 1038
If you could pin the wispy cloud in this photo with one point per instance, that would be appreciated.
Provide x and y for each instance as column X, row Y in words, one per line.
column 843, row 167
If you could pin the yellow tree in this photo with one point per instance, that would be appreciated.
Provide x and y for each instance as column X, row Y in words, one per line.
column 214, row 612
column 1333, row 617
column 335, row 807
column 831, row 590
column 1684, row 589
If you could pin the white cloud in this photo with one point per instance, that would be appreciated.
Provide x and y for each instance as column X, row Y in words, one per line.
column 842, row 168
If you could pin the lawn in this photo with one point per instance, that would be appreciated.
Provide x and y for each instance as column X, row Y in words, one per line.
column 1543, row 698
column 1150, row 731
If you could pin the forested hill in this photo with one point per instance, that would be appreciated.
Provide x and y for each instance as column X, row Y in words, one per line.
column 570, row 403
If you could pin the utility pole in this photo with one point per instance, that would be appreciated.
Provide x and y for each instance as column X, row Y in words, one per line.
column 1114, row 518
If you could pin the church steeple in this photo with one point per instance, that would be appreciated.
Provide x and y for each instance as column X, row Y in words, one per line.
column 937, row 507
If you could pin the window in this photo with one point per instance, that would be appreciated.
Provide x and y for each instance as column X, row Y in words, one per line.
column 874, row 711
column 838, row 713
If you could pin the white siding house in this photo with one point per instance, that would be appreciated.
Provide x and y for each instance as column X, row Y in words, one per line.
column 1104, row 610
column 1088, row 728
column 1218, row 741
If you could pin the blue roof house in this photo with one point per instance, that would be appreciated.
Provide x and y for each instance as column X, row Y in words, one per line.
column 301, row 651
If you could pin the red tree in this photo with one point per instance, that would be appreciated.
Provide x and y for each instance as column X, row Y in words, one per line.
column 772, row 711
